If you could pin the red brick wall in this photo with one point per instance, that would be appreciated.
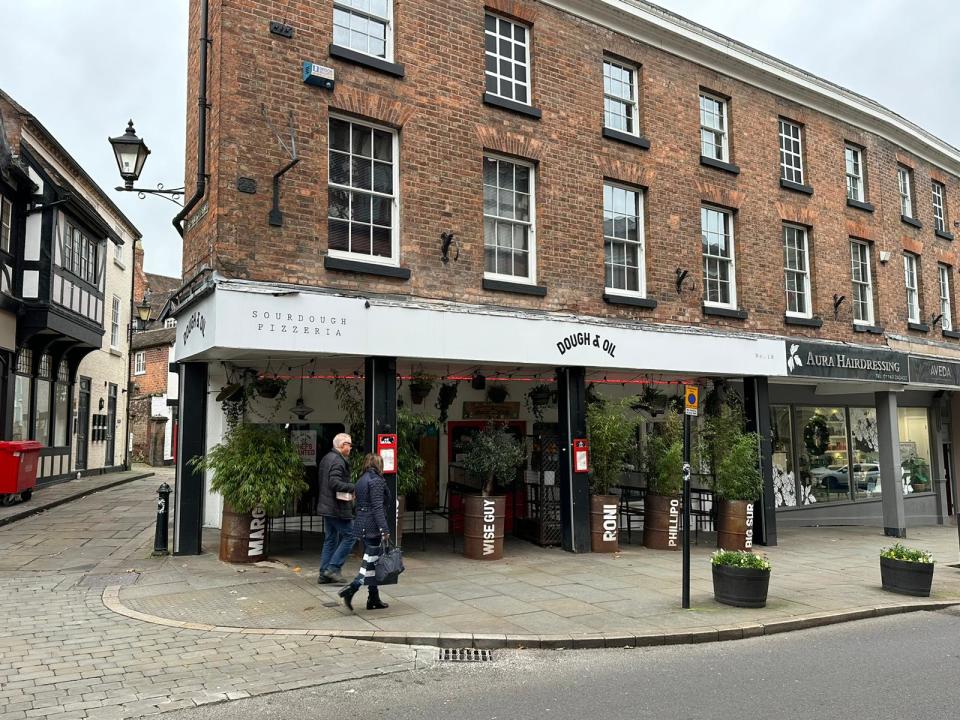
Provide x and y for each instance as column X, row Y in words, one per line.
column 154, row 381
column 445, row 128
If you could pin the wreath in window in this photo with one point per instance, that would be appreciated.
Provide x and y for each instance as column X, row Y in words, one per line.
column 816, row 435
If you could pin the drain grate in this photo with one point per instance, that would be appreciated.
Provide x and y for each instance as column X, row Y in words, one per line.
column 465, row 655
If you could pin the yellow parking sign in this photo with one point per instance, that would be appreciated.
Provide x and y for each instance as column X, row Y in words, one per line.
column 691, row 400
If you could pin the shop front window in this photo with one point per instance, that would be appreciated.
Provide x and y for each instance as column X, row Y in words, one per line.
column 21, row 408
column 823, row 457
column 866, row 453
column 786, row 490
column 914, row 450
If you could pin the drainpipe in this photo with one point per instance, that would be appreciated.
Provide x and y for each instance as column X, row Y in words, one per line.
column 201, row 124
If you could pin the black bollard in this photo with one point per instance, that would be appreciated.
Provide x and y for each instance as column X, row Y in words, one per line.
column 163, row 512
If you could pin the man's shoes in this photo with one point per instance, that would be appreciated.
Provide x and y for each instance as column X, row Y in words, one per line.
column 333, row 576
column 323, row 579
column 347, row 594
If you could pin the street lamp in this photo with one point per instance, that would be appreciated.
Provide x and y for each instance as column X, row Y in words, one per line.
column 143, row 312
column 131, row 154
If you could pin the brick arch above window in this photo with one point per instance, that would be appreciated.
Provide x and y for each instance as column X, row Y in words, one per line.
column 627, row 172
column 510, row 143
column 797, row 214
column 372, row 107
column 861, row 230
column 517, row 9
column 717, row 195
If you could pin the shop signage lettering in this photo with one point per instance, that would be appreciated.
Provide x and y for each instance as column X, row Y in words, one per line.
column 934, row 372
column 489, row 527
column 819, row 360
column 297, row 323
column 673, row 528
column 748, row 538
column 196, row 322
column 609, row 523
column 257, row 528
column 586, row 339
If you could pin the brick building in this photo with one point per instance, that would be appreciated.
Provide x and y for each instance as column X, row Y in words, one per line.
column 153, row 407
column 64, row 304
column 574, row 192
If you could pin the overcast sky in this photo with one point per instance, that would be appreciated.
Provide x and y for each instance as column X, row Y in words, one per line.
column 83, row 74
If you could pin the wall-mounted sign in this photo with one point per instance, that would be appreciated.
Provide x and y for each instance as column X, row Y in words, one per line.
column 387, row 450
column 845, row 362
column 491, row 411
column 581, row 455
column 934, row 372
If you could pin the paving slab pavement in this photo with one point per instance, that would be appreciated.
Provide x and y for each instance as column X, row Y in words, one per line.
column 65, row 654
column 539, row 597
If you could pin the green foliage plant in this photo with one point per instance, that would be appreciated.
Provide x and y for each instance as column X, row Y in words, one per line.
column 918, row 468
column 410, row 427
column 740, row 559
column 255, row 466
column 493, row 456
column 737, row 473
column 663, row 459
column 901, row 552
column 611, row 429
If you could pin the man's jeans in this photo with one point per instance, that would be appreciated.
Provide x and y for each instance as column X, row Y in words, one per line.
column 337, row 542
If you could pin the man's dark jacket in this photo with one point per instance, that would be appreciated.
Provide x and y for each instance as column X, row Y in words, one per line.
column 334, row 476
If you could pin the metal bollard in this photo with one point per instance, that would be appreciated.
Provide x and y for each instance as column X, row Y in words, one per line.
column 163, row 512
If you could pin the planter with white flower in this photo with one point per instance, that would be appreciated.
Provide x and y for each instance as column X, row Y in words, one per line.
column 740, row 578
column 907, row 571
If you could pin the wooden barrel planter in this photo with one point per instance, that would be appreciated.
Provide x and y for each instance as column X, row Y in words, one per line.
column 483, row 527
column 741, row 587
column 661, row 522
column 243, row 536
column 734, row 525
column 906, row 577
column 604, row 523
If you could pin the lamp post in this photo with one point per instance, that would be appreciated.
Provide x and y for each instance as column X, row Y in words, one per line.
column 131, row 154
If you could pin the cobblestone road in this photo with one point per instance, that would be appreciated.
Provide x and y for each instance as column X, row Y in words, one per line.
column 64, row 655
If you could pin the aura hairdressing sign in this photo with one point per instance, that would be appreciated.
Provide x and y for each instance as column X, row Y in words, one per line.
column 843, row 362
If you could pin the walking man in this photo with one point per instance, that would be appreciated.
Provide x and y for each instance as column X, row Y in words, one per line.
column 334, row 504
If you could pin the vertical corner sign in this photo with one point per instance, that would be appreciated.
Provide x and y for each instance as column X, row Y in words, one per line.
column 691, row 400
column 387, row 450
column 581, row 455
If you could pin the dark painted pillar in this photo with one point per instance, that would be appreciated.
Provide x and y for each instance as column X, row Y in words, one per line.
column 888, row 432
column 574, row 487
column 191, row 443
column 380, row 415
column 756, row 403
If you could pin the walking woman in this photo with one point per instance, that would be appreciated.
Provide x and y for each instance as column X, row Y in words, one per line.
column 370, row 525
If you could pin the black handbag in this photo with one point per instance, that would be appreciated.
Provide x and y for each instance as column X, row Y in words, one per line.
column 389, row 565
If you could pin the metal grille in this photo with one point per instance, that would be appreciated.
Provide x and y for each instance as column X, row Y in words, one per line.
column 465, row 655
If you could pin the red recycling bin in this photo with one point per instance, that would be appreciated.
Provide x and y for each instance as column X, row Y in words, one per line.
column 18, row 466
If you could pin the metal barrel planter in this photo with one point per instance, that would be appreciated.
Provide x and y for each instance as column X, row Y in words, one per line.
column 483, row 527
column 741, row 587
column 661, row 522
column 604, row 523
column 243, row 535
column 906, row 577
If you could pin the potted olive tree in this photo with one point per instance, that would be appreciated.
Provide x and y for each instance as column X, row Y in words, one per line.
column 493, row 456
column 663, row 465
column 258, row 471
column 740, row 578
column 737, row 481
column 907, row 571
column 410, row 428
column 611, row 432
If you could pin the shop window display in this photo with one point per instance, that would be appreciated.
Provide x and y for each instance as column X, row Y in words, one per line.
column 914, row 450
column 822, row 452
column 866, row 452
